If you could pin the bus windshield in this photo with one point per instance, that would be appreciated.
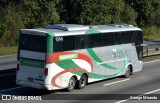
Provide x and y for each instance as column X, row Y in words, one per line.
column 35, row 43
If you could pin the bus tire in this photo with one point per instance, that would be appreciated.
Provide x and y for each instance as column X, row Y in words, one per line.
column 127, row 72
column 71, row 84
column 82, row 82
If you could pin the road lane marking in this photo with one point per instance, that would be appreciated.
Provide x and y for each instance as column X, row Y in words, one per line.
column 151, row 61
column 152, row 91
column 116, row 82
column 5, row 90
column 121, row 101
column 8, row 60
column 139, row 95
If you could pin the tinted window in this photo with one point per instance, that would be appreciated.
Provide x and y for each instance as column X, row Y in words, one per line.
column 108, row 39
column 81, row 41
column 130, row 36
column 95, row 40
column 120, row 38
column 57, row 45
column 67, row 43
column 35, row 43
column 64, row 43
column 139, row 39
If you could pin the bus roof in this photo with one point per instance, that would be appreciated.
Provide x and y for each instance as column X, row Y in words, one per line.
column 75, row 29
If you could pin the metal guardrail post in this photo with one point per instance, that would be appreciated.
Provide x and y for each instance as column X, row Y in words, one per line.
column 151, row 49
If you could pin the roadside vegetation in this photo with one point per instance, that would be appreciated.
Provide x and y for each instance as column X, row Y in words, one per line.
column 151, row 58
column 8, row 50
column 18, row 14
column 151, row 33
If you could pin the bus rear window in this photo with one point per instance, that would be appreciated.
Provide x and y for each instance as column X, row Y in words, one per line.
column 35, row 43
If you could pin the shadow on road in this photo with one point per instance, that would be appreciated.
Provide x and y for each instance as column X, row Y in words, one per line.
column 7, row 78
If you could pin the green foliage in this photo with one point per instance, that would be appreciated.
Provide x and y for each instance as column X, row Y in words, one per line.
column 39, row 13
column 148, row 11
column 70, row 10
column 8, row 50
column 10, row 23
column 151, row 58
column 17, row 14
column 106, row 12
column 151, row 33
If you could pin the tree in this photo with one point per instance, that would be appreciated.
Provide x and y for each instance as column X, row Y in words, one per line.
column 39, row 13
column 70, row 10
column 10, row 24
column 106, row 12
column 148, row 11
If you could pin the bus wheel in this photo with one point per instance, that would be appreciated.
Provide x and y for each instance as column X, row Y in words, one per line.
column 71, row 84
column 128, row 72
column 82, row 82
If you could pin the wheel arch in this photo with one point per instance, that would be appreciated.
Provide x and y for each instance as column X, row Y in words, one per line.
column 130, row 66
column 86, row 76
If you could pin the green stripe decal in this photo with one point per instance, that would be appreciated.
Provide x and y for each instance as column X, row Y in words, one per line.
column 50, row 42
column 50, row 34
column 68, row 64
column 88, row 32
column 97, row 59
column 97, row 76
column 32, row 63
column 125, row 58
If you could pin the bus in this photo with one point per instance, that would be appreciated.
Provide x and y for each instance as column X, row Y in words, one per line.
column 68, row 56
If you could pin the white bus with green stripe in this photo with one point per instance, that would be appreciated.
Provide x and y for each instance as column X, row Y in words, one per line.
column 63, row 56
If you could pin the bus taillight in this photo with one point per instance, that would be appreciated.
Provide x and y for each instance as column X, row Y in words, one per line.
column 46, row 71
column 17, row 69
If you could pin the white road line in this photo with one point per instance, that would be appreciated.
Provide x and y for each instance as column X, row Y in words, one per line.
column 8, row 55
column 11, row 89
column 152, row 91
column 151, row 61
column 121, row 101
column 116, row 82
column 139, row 95
column 8, row 60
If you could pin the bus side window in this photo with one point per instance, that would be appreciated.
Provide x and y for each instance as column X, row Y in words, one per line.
column 95, row 40
column 68, row 43
column 138, row 38
column 138, row 41
column 81, row 42
column 108, row 39
column 120, row 38
column 57, row 45
column 130, row 36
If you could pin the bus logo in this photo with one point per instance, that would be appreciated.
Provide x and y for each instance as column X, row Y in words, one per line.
column 59, row 39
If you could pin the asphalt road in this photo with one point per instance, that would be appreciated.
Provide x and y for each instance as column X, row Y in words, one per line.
column 141, row 83
column 8, row 62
